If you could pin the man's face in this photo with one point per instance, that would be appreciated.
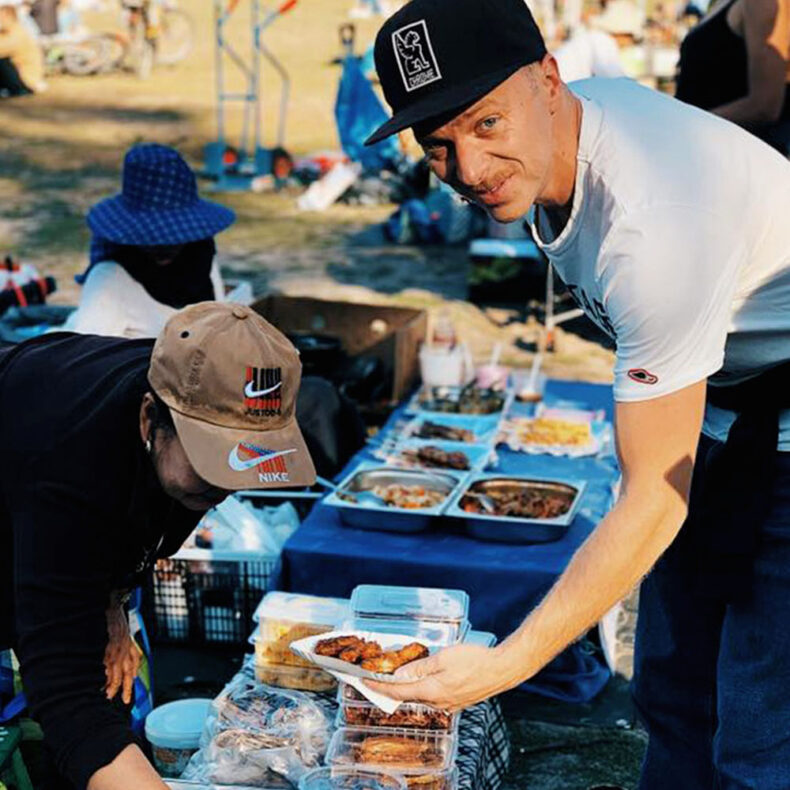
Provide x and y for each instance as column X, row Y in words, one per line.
column 163, row 254
column 498, row 153
column 176, row 474
column 178, row 477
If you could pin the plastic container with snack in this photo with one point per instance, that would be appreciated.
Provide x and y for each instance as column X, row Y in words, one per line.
column 350, row 779
column 174, row 731
column 356, row 711
column 287, row 617
column 301, row 678
column 425, row 760
column 445, row 610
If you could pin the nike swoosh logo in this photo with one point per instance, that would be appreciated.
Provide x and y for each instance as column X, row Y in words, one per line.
column 242, row 465
column 251, row 392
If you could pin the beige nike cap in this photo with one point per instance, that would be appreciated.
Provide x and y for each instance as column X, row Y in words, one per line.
column 230, row 380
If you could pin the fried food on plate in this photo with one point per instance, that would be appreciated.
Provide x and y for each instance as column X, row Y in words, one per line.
column 369, row 654
column 392, row 660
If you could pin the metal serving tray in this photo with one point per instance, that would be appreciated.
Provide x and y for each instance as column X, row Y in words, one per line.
column 421, row 407
column 478, row 455
column 510, row 529
column 369, row 515
column 484, row 428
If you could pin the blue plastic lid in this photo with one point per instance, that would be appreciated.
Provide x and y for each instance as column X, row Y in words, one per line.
column 178, row 724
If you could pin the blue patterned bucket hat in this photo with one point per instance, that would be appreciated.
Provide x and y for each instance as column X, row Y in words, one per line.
column 158, row 203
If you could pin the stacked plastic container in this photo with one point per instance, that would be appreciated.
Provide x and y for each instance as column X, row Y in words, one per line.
column 283, row 618
column 416, row 742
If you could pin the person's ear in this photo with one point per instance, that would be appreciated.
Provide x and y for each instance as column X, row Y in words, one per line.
column 146, row 423
column 552, row 82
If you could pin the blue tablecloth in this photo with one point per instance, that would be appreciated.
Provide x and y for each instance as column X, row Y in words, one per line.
column 503, row 581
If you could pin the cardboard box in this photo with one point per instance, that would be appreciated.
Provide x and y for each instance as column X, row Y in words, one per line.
column 393, row 334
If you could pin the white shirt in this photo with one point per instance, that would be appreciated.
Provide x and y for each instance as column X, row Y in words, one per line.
column 588, row 53
column 678, row 244
column 113, row 303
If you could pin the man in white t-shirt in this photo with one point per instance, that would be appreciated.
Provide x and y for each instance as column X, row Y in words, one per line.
column 670, row 227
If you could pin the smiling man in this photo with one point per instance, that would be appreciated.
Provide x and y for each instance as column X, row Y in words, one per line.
column 113, row 450
column 669, row 227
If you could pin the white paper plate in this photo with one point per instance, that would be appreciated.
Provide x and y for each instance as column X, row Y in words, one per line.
column 305, row 648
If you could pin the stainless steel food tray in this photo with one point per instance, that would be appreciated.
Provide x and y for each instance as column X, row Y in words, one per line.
column 383, row 517
column 510, row 529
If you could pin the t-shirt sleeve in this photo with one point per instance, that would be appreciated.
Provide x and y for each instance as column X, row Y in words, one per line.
column 668, row 280
column 62, row 582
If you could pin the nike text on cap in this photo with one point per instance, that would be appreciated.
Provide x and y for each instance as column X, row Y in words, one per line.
column 436, row 56
column 230, row 380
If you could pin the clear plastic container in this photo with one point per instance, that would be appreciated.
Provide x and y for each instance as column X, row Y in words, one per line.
column 446, row 608
column 350, row 779
column 481, row 638
column 418, row 603
column 434, row 635
column 287, row 617
column 425, row 760
column 356, row 711
column 299, row 678
column 173, row 730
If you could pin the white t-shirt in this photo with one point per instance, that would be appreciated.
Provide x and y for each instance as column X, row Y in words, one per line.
column 588, row 53
column 113, row 303
column 678, row 244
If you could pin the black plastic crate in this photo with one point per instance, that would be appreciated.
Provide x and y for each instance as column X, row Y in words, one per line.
column 204, row 597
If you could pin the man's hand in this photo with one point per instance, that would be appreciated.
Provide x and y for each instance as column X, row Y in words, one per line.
column 122, row 656
column 452, row 679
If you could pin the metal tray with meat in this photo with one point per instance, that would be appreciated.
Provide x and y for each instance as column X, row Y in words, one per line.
column 376, row 497
column 419, row 454
column 456, row 428
column 516, row 509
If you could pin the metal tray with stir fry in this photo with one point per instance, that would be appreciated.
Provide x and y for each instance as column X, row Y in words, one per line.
column 393, row 500
column 516, row 509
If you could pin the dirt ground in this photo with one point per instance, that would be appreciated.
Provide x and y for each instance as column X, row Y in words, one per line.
column 61, row 151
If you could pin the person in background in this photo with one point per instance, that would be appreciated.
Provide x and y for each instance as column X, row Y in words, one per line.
column 736, row 63
column 114, row 449
column 21, row 59
column 152, row 250
column 588, row 52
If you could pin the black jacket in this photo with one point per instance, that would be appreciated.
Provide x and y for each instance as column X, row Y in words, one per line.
column 81, row 514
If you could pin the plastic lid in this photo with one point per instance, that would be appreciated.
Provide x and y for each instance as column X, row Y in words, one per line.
column 482, row 638
column 301, row 608
column 418, row 603
column 178, row 724
column 350, row 779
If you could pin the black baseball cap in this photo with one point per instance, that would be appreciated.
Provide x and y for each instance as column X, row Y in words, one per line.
column 435, row 56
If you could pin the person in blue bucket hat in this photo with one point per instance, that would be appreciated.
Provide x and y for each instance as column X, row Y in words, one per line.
column 152, row 248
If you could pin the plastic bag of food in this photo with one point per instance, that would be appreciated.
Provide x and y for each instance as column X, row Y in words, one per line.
column 260, row 736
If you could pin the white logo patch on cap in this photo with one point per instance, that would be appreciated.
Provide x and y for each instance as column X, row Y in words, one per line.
column 414, row 53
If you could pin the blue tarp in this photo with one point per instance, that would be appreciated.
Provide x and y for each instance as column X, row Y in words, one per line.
column 358, row 113
column 504, row 582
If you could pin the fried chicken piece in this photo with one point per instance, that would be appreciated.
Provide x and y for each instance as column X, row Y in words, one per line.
column 399, row 752
column 351, row 654
column 333, row 647
column 392, row 660
column 412, row 652
column 370, row 650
